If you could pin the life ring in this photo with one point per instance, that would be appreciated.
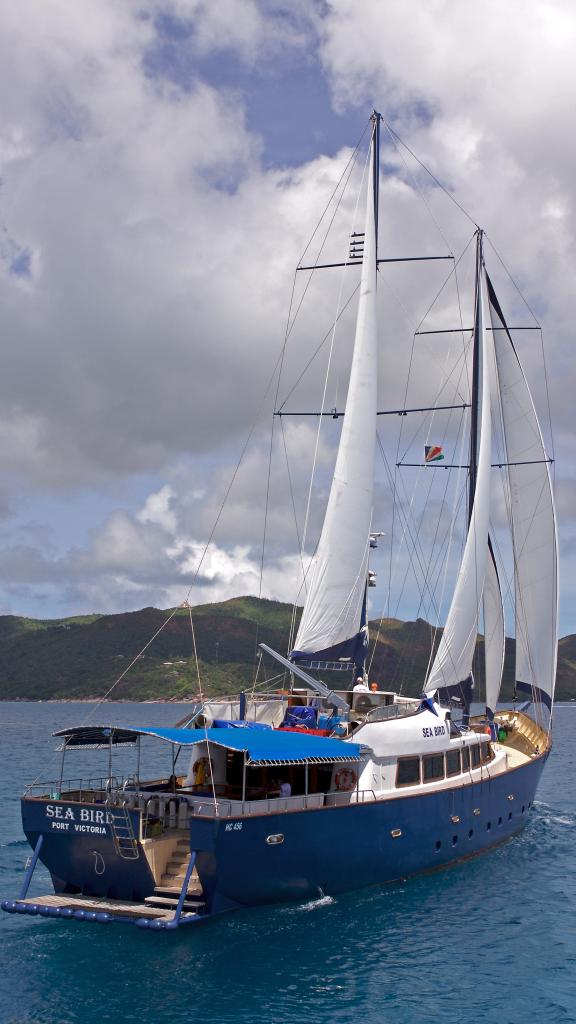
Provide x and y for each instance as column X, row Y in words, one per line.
column 202, row 771
column 345, row 779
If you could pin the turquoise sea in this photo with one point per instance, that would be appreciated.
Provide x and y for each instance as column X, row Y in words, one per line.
column 492, row 940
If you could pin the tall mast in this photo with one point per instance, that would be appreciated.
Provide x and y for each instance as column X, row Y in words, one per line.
column 376, row 118
column 475, row 401
column 333, row 623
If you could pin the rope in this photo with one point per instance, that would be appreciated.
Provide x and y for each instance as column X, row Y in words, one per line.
column 202, row 702
column 433, row 176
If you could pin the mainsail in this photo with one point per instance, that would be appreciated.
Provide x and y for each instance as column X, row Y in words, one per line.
column 452, row 667
column 533, row 521
column 333, row 620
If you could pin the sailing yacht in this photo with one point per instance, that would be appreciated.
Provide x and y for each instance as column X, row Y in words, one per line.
column 317, row 790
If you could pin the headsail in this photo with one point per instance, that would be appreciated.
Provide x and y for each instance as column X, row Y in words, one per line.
column 533, row 521
column 494, row 637
column 333, row 620
column 452, row 668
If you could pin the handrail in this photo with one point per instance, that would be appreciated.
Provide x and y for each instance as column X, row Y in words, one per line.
column 386, row 711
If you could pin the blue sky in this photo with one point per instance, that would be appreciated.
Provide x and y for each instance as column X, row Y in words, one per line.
column 162, row 166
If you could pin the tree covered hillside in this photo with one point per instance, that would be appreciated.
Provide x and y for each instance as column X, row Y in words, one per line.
column 83, row 656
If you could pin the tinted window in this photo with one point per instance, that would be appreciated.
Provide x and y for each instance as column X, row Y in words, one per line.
column 432, row 767
column 465, row 759
column 453, row 762
column 475, row 752
column 408, row 771
column 486, row 752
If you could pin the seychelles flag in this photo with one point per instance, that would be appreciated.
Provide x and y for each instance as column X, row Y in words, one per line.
column 433, row 453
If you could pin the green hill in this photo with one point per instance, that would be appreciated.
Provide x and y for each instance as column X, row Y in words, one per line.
column 84, row 656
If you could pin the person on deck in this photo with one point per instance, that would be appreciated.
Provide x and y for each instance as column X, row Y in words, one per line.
column 374, row 687
column 361, row 686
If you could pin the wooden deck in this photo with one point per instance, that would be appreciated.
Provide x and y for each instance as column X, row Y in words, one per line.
column 119, row 908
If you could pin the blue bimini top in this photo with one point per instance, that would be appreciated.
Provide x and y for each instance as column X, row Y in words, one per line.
column 261, row 746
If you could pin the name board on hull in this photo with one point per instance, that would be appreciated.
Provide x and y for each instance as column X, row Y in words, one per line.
column 65, row 818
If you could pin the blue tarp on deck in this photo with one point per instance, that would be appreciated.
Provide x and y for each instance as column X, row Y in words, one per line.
column 262, row 746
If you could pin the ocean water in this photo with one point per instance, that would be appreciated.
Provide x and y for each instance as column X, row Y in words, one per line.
column 490, row 940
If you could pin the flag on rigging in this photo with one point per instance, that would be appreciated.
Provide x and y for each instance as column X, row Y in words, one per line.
column 433, row 453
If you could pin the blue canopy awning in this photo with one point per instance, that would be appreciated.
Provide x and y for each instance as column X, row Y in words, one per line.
column 261, row 746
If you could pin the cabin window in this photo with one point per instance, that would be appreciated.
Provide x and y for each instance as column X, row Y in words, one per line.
column 408, row 771
column 465, row 759
column 453, row 762
column 432, row 767
column 475, row 754
column 485, row 752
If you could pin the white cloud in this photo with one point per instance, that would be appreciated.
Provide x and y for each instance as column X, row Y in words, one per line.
column 156, row 253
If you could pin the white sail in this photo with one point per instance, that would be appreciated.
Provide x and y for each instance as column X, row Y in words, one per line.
column 533, row 521
column 494, row 638
column 337, row 578
column 453, row 662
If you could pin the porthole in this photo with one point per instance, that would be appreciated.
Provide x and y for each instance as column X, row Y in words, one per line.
column 510, row 816
column 275, row 840
column 499, row 821
column 488, row 826
column 470, row 833
column 454, row 840
column 438, row 845
column 523, row 808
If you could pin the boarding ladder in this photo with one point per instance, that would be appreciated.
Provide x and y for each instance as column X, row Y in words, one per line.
column 120, row 821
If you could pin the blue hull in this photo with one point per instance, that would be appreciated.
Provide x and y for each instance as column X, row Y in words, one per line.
column 333, row 850
column 327, row 850
column 85, row 861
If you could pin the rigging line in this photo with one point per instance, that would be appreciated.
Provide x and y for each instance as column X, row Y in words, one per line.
column 412, row 552
column 132, row 663
column 438, row 294
column 516, row 286
column 453, row 271
column 293, row 502
column 445, row 282
column 427, row 576
column 433, row 176
column 396, row 470
column 307, row 516
column 519, row 609
column 539, row 326
column 202, row 702
column 418, row 189
column 319, row 347
column 459, row 491
column 208, row 542
column 410, row 499
column 351, row 161
column 264, row 531
column 433, row 410
column 320, row 251
column 431, row 566
column 426, row 586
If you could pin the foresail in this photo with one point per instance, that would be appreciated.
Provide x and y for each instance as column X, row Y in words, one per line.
column 452, row 665
column 333, row 619
column 494, row 637
column 533, row 521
